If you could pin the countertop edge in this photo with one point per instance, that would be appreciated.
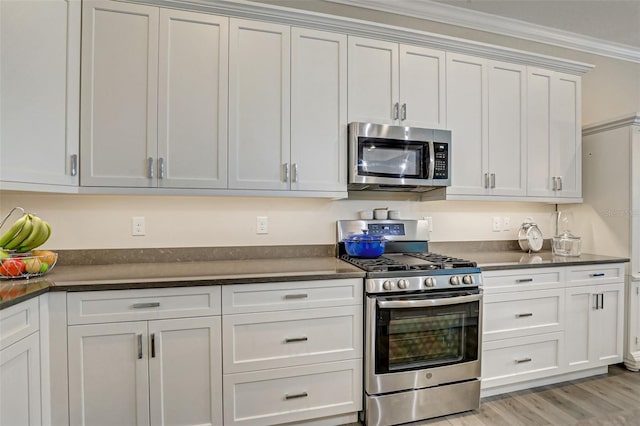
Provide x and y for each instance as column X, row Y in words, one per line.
column 576, row 262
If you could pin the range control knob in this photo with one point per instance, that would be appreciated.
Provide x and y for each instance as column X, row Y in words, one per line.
column 430, row 282
column 467, row 279
column 402, row 284
column 387, row 285
column 454, row 280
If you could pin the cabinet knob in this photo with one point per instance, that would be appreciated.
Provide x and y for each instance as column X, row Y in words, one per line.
column 74, row 165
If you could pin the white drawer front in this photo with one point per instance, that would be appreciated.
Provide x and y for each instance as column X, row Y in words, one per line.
column 18, row 321
column 596, row 274
column 131, row 305
column 263, row 297
column 514, row 360
column 281, row 339
column 292, row 394
column 507, row 315
column 521, row 280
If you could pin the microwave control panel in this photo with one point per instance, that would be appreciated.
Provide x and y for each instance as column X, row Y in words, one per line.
column 441, row 157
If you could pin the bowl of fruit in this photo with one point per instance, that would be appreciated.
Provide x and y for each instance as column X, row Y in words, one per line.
column 18, row 255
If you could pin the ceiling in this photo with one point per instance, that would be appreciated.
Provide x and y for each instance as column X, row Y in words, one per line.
column 616, row 21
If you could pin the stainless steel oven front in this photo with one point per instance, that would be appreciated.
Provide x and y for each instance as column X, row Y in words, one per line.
column 423, row 355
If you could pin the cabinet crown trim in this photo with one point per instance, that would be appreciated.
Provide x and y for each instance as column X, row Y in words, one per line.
column 611, row 124
column 356, row 27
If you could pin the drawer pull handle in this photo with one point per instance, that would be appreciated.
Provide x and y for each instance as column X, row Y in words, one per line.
column 528, row 314
column 153, row 345
column 295, row 339
column 296, row 296
column 597, row 274
column 523, row 360
column 146, row 305
column 296, row 395
column 139, row 346
column 524, row 280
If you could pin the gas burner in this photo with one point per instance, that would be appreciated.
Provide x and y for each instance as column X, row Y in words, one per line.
column 379, row 264
column 447, row 262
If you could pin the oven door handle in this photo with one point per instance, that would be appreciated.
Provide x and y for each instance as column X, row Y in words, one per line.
column 426, row 303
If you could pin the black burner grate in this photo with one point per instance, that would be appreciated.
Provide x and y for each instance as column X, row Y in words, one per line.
column 447, row 262
column 379, row 264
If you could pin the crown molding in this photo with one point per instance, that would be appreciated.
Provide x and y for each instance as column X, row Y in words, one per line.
column 355, row 27
column 614, row 123
column 452, row 15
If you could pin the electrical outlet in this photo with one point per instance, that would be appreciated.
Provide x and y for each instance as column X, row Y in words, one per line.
column 262, row 225
column 429, row 220
column 497, row 224
column 506, row 223
column 137, row 225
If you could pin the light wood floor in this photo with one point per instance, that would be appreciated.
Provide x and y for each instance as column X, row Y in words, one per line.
column 607, row 399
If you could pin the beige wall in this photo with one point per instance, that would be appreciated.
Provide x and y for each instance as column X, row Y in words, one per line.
column 88, row 221
column 82, row 222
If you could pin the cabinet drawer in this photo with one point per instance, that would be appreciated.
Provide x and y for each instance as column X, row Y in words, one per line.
column 522, row 279
column 507, row 315
column 596, row 274
column 131, row 305
column 265, row 297
column 525, row 358
column 282, row 339
column 292, row 394
column 19, row 321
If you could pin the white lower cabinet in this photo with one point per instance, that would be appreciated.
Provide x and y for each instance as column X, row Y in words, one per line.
column 542, row 325
column 20, row 401
column 594, row 329
column 147, row 372
column 286, row 358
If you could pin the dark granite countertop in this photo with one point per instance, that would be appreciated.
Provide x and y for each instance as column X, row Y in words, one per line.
column 122, row 276
column 190, row 267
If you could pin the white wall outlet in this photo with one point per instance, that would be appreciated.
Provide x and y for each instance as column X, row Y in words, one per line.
column 137, row 225
column 496, row 224
column 262, row 225
column 429, row 220
column 506, row 223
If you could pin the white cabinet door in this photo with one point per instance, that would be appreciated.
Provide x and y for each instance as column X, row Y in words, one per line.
column 373, row 81
column 192, row 100
column 467, row 119
column 554, row 135
column 108, row 374
column 259, row 105
column 318, row 110
column 422, row 87
column 20, row 383
column 566, row 148
column 39, row 87
column 507, row 127
column 594, row 328
column 185, row 371
column 119, row 94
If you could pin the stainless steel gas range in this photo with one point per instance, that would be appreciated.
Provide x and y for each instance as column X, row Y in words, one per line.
column 423, row 326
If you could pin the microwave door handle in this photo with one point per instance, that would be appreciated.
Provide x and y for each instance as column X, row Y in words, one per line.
column 427, row 303
column 432, row 161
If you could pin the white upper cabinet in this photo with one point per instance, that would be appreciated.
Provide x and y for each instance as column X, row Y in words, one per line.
column 318, row 110
column 39, row 90
column 396, row 84
column 259, row 105
column 192, row 100
column 486, row 114
column 119, row 94
column 554, row 135
column 154, row 98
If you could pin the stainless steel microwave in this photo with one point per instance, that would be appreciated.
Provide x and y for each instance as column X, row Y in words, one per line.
column 396, row 158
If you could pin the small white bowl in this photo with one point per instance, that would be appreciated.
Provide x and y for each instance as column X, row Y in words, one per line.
column 394, row 214
column 366, row 214
column 380, row 214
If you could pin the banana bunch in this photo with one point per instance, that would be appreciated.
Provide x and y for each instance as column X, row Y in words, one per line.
column 26, row 233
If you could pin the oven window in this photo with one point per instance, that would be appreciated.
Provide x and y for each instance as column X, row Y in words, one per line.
column 385, row 158
column 415, row 338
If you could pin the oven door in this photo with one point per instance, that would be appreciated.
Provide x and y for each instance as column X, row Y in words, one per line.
column 419, row 341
